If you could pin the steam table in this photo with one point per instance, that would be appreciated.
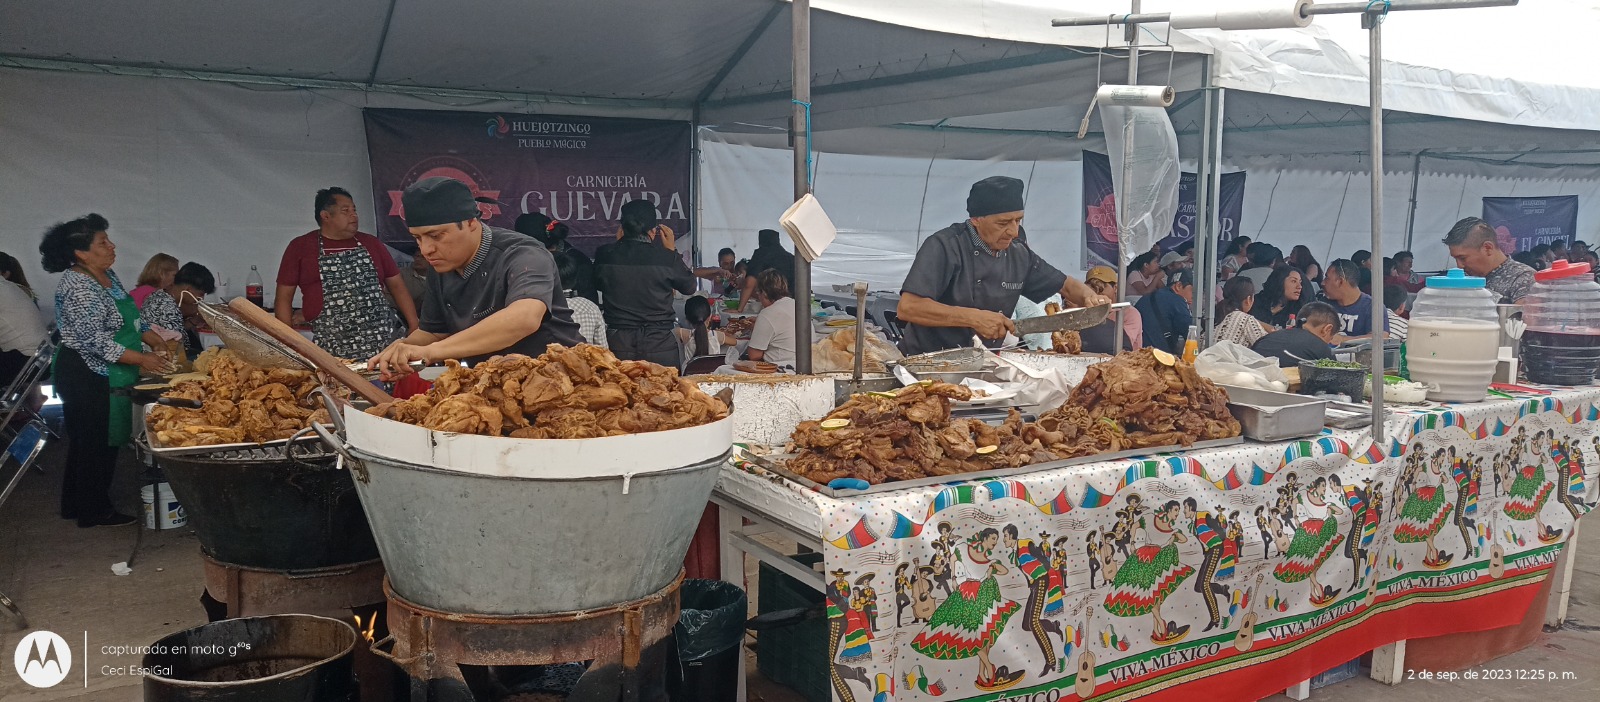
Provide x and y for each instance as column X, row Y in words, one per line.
column 1252, row 567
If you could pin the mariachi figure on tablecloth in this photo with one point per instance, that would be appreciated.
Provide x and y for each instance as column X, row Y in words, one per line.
column 1467, row 473
column 1266, row 523
column 1151, row 574
column 970, row 620
column 1316, row 539
column 1091, row 550
column 902, row 592
column 1045, row 592
column 1212, row 532
column 866, row 600
column 1519, row 445
column 922, row 584
column 1425, row 510
column 1570, row 485
column 1366, row 511
column 1528, row 493
column 1288, row 503
column 1128, row 520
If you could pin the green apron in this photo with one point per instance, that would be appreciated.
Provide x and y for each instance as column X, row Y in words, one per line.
column 123, row 376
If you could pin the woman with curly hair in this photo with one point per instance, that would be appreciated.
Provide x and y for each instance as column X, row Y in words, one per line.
column 102, row 348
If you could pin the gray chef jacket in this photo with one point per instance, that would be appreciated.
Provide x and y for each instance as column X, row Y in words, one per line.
column 956, row 268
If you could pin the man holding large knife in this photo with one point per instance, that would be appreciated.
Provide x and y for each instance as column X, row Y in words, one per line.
column 967, row 277
column 491, row 291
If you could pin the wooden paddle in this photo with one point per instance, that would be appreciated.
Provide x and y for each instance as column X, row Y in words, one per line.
column 324, row 361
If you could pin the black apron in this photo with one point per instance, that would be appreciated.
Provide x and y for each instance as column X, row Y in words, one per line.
column 356, row 321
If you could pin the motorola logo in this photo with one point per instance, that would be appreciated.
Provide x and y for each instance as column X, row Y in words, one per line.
column 43, row 659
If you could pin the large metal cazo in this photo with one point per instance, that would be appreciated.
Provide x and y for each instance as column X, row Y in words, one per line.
column 501, row 526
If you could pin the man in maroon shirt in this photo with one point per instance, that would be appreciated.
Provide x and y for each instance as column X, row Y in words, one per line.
column 341, row 274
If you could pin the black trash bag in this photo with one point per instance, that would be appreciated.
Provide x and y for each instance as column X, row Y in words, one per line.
column 711, row 620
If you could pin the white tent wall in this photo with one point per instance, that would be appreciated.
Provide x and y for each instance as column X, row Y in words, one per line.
column 209, row 172
column 884, row 206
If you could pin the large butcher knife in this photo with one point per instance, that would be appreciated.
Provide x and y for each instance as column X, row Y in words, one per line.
column 1067, row 320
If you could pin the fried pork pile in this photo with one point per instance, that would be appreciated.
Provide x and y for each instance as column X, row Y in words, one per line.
column 1131, row 402
column 1069, row 342
column 582, row 392
column 1156, row 404
column 240, row 403
column 904, row 436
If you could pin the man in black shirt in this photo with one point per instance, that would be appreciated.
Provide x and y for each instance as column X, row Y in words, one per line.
column 769, row 254
column 490, row 291
column 1310, row 341
column 967, row 277
column 636, row 277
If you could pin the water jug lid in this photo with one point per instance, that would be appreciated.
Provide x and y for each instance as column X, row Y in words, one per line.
column 1561, row 269
column 1455, row 279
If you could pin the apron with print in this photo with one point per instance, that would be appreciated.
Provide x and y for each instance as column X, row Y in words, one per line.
column 356, row 320
column 119, row 376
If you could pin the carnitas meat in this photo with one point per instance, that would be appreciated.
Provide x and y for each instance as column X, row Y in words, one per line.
column 1068, row 342
column 582, row 392
column 1155, row 403
column 906, row 435
column 240, row 403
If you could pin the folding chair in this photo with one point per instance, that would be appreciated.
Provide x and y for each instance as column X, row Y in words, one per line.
column 15, row 399
column 25, row 448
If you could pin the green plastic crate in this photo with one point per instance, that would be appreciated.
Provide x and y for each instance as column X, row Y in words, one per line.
column 794, row 656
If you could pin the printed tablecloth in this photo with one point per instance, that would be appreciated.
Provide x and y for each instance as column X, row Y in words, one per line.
column 1254, row 566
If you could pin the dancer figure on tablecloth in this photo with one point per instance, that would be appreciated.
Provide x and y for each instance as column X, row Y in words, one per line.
column 1269, row 535
column 1211, row 531
column 860, row 621
column 1315, row 540
column 1528, row 493
column 1366, row 511
column 1151, row 574
column 1467, row 474
column 839, row 630
column 1045, row 593
column 969, row 621
column 1570, row 486
column 1425, row 510
column 902, row 592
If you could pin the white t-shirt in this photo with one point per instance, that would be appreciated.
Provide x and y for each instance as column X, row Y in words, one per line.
column 773, row 334
column 21, row 325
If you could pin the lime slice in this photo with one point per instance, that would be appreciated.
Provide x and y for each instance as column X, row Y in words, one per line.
column 982, row 450
column 1165, row 358
column 838, row 423
column 876, row 393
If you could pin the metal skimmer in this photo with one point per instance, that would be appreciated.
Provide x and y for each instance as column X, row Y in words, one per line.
column 252, row 345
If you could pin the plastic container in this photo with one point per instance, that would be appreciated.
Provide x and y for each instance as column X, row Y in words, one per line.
column 1454, row 339
column 161, row 508
column 1561, row 345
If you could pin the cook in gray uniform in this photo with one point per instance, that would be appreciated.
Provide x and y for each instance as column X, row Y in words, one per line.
column 490, row 291
column 967, row 277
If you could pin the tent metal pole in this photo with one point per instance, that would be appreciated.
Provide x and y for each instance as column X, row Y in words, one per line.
column 1374, row 24
column 1332, row 8
column 1218, row 98
column 801, row 133
column 1132, row 37
column 1416, row 178
column 696, row 226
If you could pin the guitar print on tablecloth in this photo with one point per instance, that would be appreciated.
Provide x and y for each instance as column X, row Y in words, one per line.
column 1122, row 579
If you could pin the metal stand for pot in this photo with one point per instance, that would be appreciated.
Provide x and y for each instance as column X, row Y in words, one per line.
column 332, row 591
column 627, row 644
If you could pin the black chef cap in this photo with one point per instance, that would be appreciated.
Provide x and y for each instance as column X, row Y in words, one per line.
column 994, row 195
column 438, row 200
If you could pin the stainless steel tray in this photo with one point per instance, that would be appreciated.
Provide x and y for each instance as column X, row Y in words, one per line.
column 776, row 464
column 305, row 444
column 1275, row 416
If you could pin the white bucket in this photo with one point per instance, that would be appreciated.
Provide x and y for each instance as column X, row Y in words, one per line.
column 164, row 513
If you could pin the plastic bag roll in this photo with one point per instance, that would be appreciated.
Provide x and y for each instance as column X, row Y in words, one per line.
column 1255, row 14
column 1135, row 95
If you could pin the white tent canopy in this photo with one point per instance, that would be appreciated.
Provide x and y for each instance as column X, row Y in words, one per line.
column 211, row 124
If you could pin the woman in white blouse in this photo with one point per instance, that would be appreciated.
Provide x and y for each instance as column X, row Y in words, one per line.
column 1233, row 312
